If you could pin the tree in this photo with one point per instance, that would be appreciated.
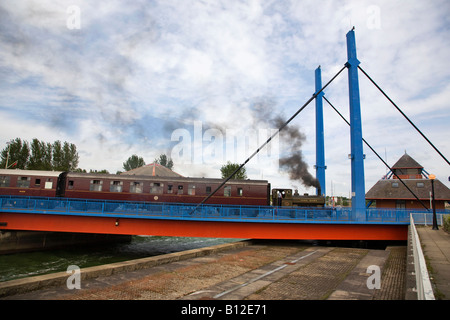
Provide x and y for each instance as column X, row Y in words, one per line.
column 70, row 156
column 44, row 155
column 229, row 168
column 16, row 151
column 57, row 156
column 64, row 156
column 41, row 156
column 165, row 161
column 103, row 171
column 133, row 162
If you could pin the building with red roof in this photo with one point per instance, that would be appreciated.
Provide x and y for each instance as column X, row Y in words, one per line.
column 390, row 192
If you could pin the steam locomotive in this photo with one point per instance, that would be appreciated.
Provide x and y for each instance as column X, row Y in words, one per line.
column 148, row 188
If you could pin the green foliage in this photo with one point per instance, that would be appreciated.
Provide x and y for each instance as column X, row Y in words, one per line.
column 446, row 222
column 228, row 169
column 103, row 171
column 40, row 155
column 165, row 161
column 15, row 154
column 133, row 162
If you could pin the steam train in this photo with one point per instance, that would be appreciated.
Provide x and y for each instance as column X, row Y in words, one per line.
column 148, row 188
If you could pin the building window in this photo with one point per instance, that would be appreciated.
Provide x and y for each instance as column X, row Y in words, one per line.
column 4, row 181
column 23, row 182
column 136, row 187
column 240, row 192
column 394, row 184
column 400, row 204
column 170, row 188
column 227, row 191
column 420, row 185
column 70, row 185
column 115, row 186
column 191, row 190
column 96, row 185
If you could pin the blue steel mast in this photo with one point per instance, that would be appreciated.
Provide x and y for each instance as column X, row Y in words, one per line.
column 320, row 144
column 356, row 142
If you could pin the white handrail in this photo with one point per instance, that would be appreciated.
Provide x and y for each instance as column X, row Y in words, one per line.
column 423, row 283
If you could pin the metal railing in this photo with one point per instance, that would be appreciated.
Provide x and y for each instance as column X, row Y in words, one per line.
column 153, row 210
column 423, row 283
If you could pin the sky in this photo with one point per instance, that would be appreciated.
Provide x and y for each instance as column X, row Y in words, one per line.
column 204, row 81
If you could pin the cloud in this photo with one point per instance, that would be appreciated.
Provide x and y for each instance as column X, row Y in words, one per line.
column 134, row 73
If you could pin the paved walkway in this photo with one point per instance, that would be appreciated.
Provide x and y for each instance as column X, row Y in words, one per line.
column 436, row 248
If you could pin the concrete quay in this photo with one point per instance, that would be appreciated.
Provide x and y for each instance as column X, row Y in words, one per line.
column 245, row 270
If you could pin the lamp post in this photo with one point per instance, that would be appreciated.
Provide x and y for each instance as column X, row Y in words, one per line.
column 435, row 226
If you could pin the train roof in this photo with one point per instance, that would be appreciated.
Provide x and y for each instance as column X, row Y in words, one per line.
column 162, row 179
column 21, row 172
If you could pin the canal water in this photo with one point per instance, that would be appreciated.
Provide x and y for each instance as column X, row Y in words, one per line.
column 20, row 265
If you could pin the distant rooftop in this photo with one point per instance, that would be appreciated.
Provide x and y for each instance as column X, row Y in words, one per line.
column 410, row 172
column 394, row 189
column 406, row 162
column 153, row 169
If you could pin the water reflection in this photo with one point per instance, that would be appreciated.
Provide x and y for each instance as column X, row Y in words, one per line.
column 19, row 265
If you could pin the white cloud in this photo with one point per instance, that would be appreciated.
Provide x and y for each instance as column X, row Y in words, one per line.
column 132, row 71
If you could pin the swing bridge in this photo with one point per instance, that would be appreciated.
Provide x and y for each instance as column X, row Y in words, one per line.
column 231, row 221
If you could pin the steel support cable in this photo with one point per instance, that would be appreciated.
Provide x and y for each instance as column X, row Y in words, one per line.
column 404, row 115
column 373, row 150
column 268, row 140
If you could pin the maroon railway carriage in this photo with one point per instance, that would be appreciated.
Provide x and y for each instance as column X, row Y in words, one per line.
column 33, row 183
column 132, row 187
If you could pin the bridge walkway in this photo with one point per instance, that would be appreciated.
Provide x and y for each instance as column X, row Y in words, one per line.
column 436, row 248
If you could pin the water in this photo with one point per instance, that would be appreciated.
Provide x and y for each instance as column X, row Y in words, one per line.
column 19, row 265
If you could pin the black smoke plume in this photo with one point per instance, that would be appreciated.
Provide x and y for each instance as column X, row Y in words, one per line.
column 292, row 140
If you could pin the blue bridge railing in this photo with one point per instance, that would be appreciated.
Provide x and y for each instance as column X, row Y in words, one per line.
column 148, row 210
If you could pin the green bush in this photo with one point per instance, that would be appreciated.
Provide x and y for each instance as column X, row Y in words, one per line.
column 446, row 219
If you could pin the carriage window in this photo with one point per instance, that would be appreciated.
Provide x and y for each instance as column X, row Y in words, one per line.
column 191, row 190
column 115, row 186
column 156, row 188
column 23, row 182
column 394, row 184
column 170, row 188
column 37, row 182
column 70, row 184
column 240, row 192
column 420, row 185
column 227, row 191
column 96, row 185
column 180, row 189
column 49, row 183
column 136, row 187
column 4, row 181
column 208, row 190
